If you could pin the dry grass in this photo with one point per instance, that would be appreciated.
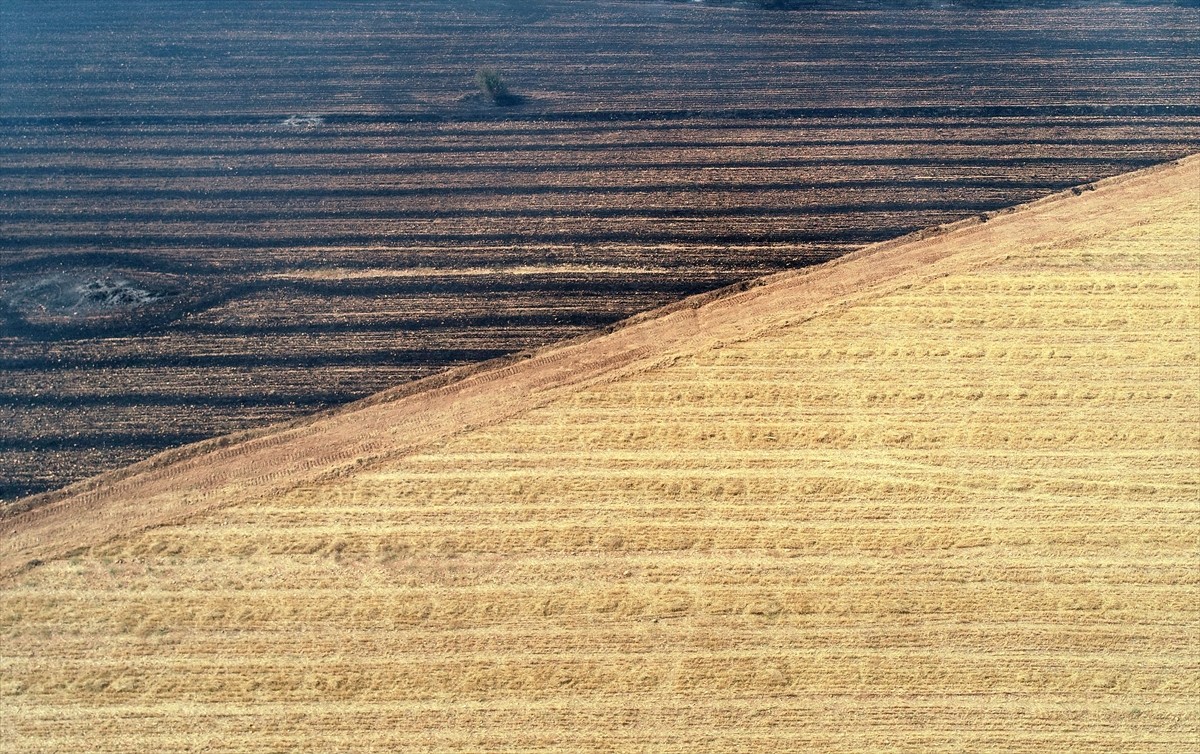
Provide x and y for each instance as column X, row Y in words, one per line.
column 941, row 496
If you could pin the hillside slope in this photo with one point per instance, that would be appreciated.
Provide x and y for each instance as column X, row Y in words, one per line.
column 939, row 495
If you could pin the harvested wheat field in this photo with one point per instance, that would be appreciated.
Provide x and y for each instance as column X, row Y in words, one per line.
column 940, row 495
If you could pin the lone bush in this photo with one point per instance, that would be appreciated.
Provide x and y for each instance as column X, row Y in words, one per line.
column 494, row 88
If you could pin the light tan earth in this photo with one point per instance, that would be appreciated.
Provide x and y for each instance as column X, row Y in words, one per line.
column 941, row 495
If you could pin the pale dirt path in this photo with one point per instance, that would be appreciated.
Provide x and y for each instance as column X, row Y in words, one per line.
column 182, row 483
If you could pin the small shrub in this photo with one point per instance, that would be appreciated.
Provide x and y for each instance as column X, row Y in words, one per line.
column 494, row 88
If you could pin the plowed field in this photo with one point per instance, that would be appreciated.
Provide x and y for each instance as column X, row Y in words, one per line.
column 215, row 218
column 940, row 495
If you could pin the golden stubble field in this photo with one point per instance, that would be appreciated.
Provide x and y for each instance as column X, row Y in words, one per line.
column 938, row 496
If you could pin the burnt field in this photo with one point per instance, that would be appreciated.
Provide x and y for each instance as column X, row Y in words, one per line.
column 214, row 216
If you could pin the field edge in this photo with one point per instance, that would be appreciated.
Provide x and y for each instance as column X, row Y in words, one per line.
column 54, row 524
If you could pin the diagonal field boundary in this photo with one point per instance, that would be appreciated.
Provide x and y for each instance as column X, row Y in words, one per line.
column 182, row 483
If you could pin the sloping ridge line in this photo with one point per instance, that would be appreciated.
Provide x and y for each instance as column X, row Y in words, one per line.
column 184, row 482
